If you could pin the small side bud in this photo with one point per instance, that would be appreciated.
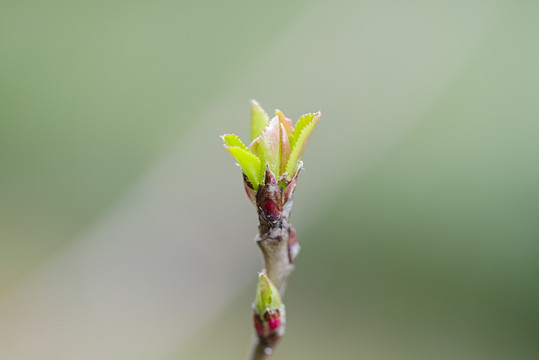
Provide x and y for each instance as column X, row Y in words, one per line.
column 293, row 245
column 267, row 295
column 269, row 314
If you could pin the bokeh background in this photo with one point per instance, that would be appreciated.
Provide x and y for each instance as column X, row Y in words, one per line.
column 124, row 229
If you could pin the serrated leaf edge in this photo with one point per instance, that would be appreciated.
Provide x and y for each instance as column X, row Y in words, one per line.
column 295, row 155
column 254, row 134
column 300, row 125
column 254, row 175
column 236, row 138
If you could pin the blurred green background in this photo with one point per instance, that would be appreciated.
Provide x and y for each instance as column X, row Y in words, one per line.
column 124, row 230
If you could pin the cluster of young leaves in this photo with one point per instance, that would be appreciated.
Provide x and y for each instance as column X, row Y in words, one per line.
column 274, row 142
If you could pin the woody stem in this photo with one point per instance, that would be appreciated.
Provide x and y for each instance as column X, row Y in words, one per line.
column 273, row 240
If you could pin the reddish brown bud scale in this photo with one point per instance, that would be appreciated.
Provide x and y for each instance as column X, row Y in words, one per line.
column 259, row 327
column 293, row 244
column 274, row 323
column 292, row 237
column 249, row 190
column 291, row 185
column 269, row 326
column 269, row 178
column 271, row 211
column 269, row 201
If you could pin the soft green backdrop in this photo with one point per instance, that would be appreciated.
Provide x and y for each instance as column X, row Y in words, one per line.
column 418, row 213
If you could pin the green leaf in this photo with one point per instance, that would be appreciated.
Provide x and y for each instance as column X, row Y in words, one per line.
column 249, row 163
column 259, row 119
column 233, row 140
column 302, row 132
column 269, row 146
column 300, row 125
column 267, row 295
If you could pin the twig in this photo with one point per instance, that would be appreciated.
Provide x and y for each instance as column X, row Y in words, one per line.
column 270, row 166
column 278, row 242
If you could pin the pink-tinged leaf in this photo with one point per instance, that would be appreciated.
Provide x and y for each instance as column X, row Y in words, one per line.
column 302, row 133
column 287, row 123
column 259, row 119
column 285, row 149
column 269, row 146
